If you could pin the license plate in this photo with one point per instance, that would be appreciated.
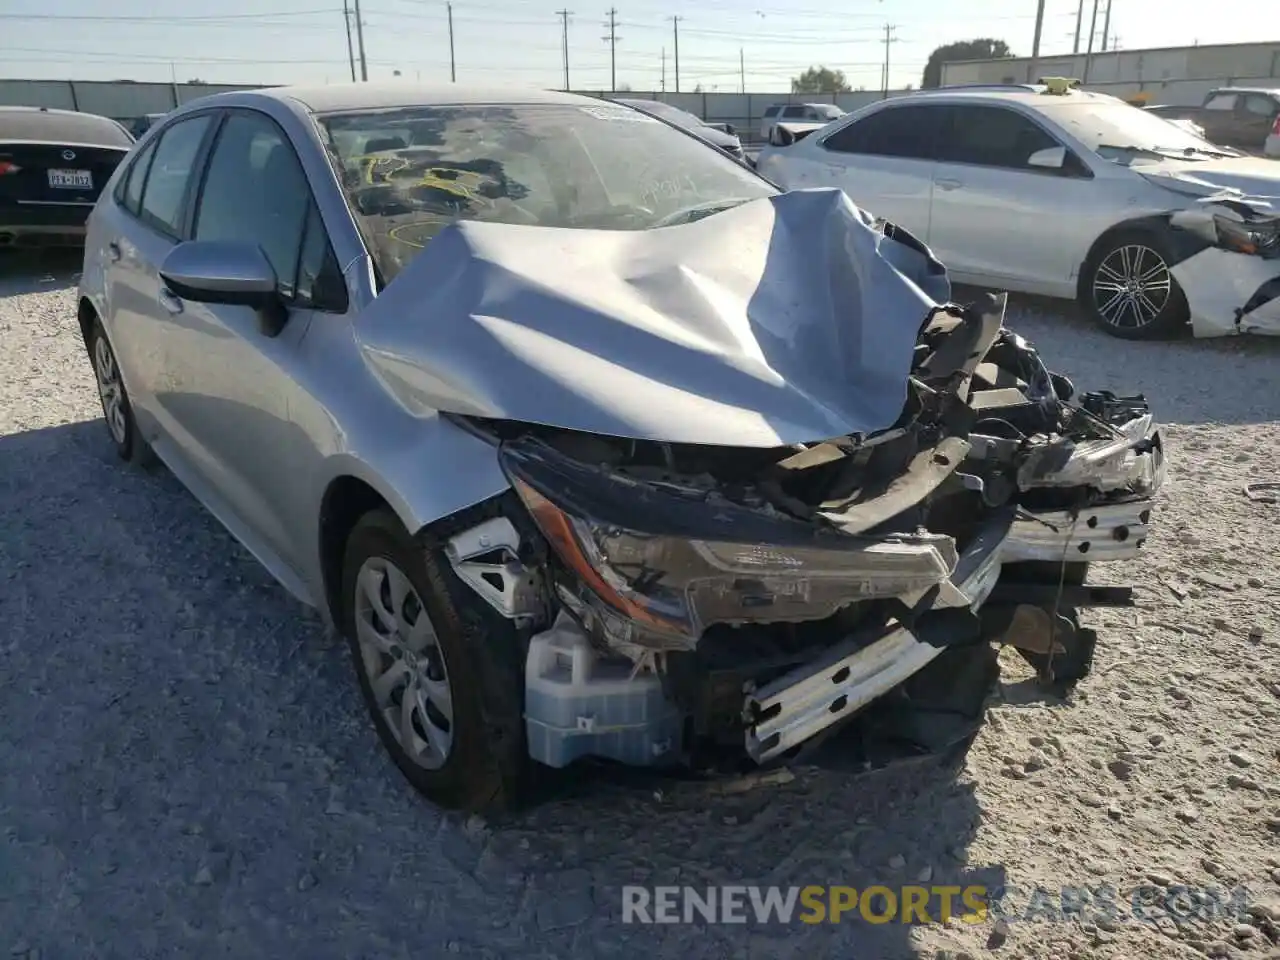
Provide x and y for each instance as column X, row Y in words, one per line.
column 71, row 179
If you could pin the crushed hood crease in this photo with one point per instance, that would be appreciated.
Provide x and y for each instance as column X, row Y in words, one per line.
column 786, row 319
column 1239, row 176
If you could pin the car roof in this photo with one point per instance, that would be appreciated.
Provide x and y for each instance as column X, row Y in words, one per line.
column 342, row 97
column 1028, row 93
column 1270, row 91
column 49, row 125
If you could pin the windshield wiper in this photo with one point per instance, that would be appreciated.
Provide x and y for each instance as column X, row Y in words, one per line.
column 1162, row 152
column 697, row 212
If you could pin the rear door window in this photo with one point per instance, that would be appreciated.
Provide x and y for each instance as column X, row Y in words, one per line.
column 794, row 113
column 170, row 173
column 1221, row 101
column 1260, row 105
column 992, row 137
column 771, row 111
column 909, row 132
column 130, row 196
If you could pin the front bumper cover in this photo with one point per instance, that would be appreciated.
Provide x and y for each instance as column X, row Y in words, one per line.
column 849, row 676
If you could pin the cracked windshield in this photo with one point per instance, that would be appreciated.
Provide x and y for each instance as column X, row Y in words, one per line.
column 411, row 172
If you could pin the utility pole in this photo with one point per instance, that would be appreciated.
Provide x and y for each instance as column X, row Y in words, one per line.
column 675, row 27
column 564, row 40
column 1033, row 69
column 742, row 72
column 1079, row 25
column 888, row 39
column 612, row 40
column 664, row 69
column 364, row 64
column 453, row 66
column 1088, row 53
column 351, row 53
column 1106, row 27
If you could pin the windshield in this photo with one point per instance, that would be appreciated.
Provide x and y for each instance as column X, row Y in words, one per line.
column 410, row 172
column 1103, row 127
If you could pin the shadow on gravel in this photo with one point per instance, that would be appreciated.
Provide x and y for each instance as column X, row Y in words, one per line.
column 1222, row 380
column 186, row 768
column 36, row 271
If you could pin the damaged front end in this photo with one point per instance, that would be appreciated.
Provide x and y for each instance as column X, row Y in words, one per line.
column 1232, row 286
column 699, row 604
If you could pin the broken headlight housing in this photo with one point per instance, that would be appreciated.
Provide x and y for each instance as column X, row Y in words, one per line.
column 1260, row 237
column 658, row 567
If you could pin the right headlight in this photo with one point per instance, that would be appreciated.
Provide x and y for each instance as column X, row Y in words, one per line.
column 1257, row 237
column 667, row 565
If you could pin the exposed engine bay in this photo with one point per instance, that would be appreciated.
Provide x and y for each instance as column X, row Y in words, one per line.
column 688, row 603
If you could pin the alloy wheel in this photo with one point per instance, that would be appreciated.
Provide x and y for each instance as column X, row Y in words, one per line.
column 403, row 662
column 110, row 389
column 1132, row 286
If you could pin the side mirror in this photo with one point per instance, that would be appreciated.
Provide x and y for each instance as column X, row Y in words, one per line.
column 730, row 130
column 1050, row 158
column 231, row 272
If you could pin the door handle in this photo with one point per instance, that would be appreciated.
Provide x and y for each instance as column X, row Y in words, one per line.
column 170, row 300
column 946, row 183
column 113, row 251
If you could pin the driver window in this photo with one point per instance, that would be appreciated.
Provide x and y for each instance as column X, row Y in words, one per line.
column 992, row 137
column 255, row 191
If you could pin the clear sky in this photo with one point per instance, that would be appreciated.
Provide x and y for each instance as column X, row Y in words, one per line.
column 281, row 41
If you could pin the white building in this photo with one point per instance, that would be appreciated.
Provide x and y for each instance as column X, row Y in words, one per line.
column 1175, row 75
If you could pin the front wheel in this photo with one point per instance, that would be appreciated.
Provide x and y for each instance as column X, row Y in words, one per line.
column 1129, row 289
column 444, row 692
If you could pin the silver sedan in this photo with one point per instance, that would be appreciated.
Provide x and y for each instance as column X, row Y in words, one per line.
column 534, row 397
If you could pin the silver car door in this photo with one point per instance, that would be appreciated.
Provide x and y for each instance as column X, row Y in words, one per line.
column 884, row 162
column 996, row 217
column 144, row 226
column 237, row 382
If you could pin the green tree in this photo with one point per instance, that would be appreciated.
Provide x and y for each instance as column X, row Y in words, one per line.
column 981, row 49
column 820, row 80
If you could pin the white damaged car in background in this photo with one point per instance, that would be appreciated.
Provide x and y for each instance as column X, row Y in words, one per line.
column 1052, row 190
column 596, row 445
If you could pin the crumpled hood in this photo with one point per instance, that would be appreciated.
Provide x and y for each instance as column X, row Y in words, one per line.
column 1248, row 176
column 782, row 320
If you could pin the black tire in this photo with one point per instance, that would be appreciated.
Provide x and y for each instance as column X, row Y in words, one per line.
column 486, row 767
column 1158, row 312
column 122, row 428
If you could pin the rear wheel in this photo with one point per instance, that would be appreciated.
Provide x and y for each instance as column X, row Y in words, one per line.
column 1129, row 290
column 116, row 409
column 444, row 691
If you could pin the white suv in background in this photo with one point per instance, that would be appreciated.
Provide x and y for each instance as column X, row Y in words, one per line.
column 799, row 112
column 1063, row 193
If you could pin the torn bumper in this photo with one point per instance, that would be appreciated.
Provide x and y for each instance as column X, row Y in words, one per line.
column 1115, row 531
column 1230, row 293
column 862, row 668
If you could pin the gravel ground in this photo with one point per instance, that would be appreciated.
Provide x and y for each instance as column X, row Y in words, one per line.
column 186, row 768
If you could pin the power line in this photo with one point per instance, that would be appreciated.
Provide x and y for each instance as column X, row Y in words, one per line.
column 351, row 55
column 564, row 21
column 453, row 66
column 675, row 27
column 612, row 40
column 889, row 38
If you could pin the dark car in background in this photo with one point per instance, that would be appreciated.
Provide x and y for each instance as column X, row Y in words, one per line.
column 1246, row 118
column 53, row 165
column 714, row 135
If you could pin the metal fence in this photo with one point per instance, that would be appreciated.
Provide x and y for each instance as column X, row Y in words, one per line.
column 126, row 101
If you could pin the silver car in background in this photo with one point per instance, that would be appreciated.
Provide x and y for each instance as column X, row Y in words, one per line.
column 590, row 441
